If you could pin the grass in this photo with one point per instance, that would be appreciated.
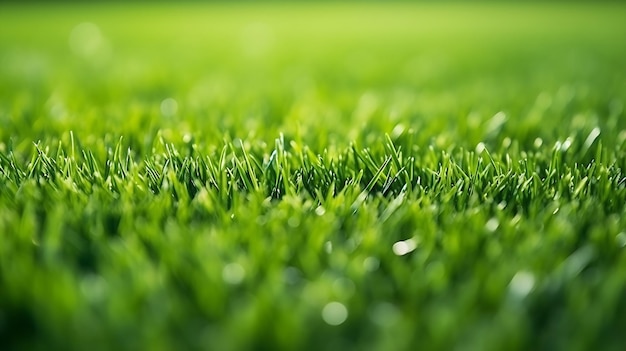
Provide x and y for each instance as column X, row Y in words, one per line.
column 334, row 176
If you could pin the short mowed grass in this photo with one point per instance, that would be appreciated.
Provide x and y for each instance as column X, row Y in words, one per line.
column 316, row 176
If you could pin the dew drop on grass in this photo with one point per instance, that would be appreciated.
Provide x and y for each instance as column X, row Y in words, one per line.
column 403, row 247
column 187, row 138
column 334, row 313
column 492, row 224
column 538, row 142
column 522, row 284
column 480, row 147
column 397, row 131
column 233, row 273
column 320, row 210
column 566, row 144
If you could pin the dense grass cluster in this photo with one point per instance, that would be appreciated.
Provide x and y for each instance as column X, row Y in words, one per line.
column 380, row 177
column 216, row 242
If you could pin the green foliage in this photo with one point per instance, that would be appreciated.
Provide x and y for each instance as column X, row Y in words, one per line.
column 384, row 177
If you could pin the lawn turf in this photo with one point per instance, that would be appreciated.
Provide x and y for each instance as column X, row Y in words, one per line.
column 313, row 176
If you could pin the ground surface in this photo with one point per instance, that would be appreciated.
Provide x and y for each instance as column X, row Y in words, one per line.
column 277, row 176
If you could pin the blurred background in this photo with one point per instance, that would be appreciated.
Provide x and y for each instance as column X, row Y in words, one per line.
column 347, row 70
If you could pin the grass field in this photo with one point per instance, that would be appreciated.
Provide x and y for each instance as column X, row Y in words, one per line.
column 315, row 176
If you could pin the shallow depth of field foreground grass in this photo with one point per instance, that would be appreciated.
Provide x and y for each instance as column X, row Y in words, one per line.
column 353, row 176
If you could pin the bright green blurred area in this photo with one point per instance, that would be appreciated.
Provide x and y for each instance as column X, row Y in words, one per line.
column 328, row 73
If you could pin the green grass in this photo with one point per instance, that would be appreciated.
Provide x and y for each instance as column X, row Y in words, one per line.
column 335, row 176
